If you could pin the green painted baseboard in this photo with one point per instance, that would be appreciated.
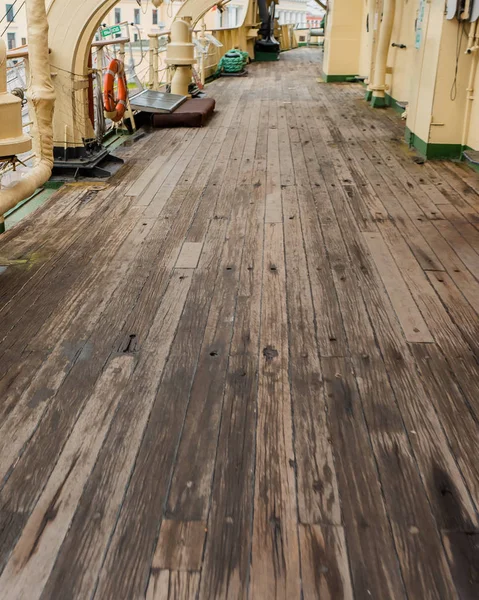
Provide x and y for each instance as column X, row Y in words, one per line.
column 378, row 101
column 266, row 56
column 393, row 103
column 337, row 78
column 433, row 150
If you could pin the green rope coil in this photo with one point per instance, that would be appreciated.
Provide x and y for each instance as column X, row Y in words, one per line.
column 233, row 61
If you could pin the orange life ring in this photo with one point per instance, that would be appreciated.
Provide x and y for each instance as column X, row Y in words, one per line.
column 115, row 109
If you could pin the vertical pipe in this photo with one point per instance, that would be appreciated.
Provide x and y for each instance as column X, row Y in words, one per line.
column 379, row 83
column 41, row 95
column 373, row 20
column 473, row 48
column 153, row 65
column 91, row 108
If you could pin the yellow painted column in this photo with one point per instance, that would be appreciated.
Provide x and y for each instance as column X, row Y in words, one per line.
column 346, row 25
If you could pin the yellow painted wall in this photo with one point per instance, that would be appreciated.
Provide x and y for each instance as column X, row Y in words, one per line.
column 423, row 80
column 448, row 108
column 343, row 37
column 402, row 60
column 365, row 41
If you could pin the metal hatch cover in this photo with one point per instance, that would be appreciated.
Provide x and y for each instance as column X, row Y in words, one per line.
column 156, row 102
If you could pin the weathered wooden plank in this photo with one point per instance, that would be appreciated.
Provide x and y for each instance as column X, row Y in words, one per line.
column 375, row 569
column 330, row 332
column 324, row 563
column 34, row 555
column 419, row 548
column 411, row 320
column 453, row 264
column 395, row 198
column 458, row 308
column 173, row 585
column 189, row 255
column 462, row 549
column 23, row 408
column 144, row 196
column 430, row 443
column 461, row 246
column 143, row 503
column 287, row 175
column 454, row 341
column 318, row 498
column 274, row 209
column 91, row 294
column 456, row 416
column 196, row 176
column 184, row 169
column 225, row 571
column 180, row 546
column 102, row 496
column 275, row 554
column 170, row 141
column 468, row 231
column 41, row 260
column 191, row 479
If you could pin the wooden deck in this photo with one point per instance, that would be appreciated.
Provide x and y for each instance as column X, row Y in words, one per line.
column 248, row 364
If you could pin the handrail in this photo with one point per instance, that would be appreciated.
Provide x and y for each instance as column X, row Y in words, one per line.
column 112, row 42
column 18, row 52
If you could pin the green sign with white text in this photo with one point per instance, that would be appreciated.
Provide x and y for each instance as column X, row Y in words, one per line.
column 106, row 31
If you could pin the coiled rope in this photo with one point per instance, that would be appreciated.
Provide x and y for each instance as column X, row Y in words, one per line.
column 234, row 61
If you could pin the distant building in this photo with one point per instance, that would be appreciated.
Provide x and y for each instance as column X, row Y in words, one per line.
column 144, row 18
column 16, row 21
column 314, row 21
column 292, row 12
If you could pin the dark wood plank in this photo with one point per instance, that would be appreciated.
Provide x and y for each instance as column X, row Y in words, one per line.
column 318, row 498
column 324, row 563
column 374, row 565
column 34, row 555
column 102, row 495
column 275, row 555
column 462, row 549
column 173, row 585
column 227, row 562
column 180, row 546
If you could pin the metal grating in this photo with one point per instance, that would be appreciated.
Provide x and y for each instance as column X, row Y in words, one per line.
column 156, row 102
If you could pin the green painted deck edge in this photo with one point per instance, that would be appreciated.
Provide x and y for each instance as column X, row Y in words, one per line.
column 337, row 78
column 433, row 150
column 53, row 185
column 29, row 205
